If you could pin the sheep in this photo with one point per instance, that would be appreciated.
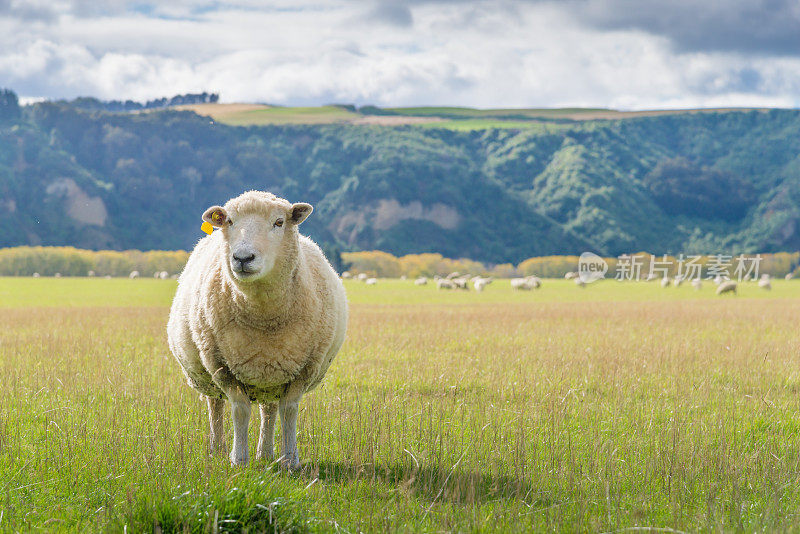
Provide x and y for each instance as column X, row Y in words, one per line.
column 90, row 274
column 461, row 283
column 526, row 284
column 259, row 315
column 697, row 284
column 570, row 275
column 678, row 280
column 727, row 287
column 362, row 277
column 789, row 276
column 57, row 275
column 765, row 282
column 665, row 281
column 421, row 281
column 580, row 283
column 444, row 283
column 403, row 277
column 134, row 274
column 481, row 283
column 371, row 281
column 454, row 274
column 346, row 275
column 36, row 275
column 163, row 275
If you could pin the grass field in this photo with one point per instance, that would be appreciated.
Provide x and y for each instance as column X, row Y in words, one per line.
column 598, row 409
column 452, row 118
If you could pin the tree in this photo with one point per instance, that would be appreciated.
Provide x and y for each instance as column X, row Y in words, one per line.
column 9, row 105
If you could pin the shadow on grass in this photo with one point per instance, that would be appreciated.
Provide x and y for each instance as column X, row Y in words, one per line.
column 431, row 484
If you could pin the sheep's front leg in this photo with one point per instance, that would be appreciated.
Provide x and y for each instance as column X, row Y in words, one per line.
column 266, row 437
column 240, row 411
column 215, row 410
column 289, row 407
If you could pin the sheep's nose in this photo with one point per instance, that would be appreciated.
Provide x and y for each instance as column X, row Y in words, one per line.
column 244, row 257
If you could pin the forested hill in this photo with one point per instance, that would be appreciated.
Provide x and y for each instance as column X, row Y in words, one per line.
column 701, row 182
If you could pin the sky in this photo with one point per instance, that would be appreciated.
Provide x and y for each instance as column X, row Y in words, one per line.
column 621, row 54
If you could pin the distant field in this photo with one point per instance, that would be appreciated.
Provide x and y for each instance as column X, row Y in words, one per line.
column 439, row 117
column 619, row 406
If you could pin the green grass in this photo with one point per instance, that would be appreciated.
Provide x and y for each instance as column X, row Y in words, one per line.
column 614, row 406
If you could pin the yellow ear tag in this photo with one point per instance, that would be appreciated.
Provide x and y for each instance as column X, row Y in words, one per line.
column 206, row 227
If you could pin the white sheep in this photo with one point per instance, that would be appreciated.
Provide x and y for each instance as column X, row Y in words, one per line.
column 421, row 281
column 163, row 275
column 36, row 275
column 665, row 281
column 371, row 281
column 526, row 284
column 362, row 277
column 727, row 287
column 454, row 274
column 346, row 275
column 444, row 283
column 57, row 275
column 259, row 314
column 697, row 284
column 571, row 275
column 788, row 276
column 90, row 273
column 461, row 282
column 480, row 283
column 134, row 274
column 765, row 282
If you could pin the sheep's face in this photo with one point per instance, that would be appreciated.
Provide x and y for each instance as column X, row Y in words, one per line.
column 255, row 235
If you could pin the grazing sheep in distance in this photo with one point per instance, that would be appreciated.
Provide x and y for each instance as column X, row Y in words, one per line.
column 259, row 315
column 765, row 282
column 346, row 275
column 421, row 281
column 788, row 276
column 727, row 287
column 90, row 273
column 163, row 275
column 665, row 281
column 444, row 283
column 678, row 280
column 461, row 282
column 371, row 281
column 36, row 275
column 454, row 274
column 481, row 283
column 697, row 284
column 57, row 275
column 570, row 275
column 134, row 274
column 526, row 284
column 362, row 277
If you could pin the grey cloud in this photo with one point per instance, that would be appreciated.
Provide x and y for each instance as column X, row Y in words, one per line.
column 762, row 27
column 27, row 11
column 395, row 14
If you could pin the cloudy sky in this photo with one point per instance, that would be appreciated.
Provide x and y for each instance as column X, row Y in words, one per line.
column 625, row 54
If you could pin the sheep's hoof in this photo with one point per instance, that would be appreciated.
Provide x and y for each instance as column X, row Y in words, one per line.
column 239, row 460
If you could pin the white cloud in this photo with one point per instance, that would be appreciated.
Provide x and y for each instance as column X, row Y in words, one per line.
column 475, row 54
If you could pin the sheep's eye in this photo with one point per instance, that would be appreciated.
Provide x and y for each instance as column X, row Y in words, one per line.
column 279, row 223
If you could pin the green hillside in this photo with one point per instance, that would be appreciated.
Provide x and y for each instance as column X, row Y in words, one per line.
column 724, row 181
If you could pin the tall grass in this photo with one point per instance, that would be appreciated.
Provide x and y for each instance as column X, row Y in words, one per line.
column 596, row 409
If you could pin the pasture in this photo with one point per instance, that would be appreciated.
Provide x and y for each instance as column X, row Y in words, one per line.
column 614, row 406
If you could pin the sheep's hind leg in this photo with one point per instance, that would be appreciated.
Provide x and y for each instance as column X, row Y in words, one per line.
column 289, row 407
column 216, row 408
column 266, row 438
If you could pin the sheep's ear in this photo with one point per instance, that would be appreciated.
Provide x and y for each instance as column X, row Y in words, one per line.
column 299, row 212
column 215, row 216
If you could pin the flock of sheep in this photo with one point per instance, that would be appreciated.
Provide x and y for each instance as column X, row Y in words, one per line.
column 457, row 280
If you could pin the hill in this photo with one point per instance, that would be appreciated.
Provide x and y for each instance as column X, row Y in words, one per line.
column 716, row 181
